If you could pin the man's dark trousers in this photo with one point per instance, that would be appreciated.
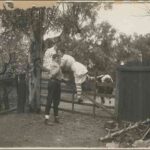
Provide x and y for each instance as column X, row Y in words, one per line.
column 54, row 92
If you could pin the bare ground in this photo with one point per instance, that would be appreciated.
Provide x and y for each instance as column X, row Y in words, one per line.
column 75, row 130
column 28, row 130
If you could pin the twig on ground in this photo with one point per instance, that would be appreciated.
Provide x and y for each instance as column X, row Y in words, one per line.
column 110, row 136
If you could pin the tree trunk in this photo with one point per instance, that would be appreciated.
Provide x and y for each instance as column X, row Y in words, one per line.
column 35, row 57
column 35, row 74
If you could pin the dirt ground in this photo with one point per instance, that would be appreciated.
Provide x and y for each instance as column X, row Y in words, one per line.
column 28, row 130
column 75, row 130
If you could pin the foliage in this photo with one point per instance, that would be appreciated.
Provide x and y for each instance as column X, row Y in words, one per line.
column 126, row 50
column 142, row 43
column 94, row 44
column 99, row 45
column 13, row 49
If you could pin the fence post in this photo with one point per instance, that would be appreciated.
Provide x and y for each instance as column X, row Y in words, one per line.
column 21, row 92
column 73, row 101
column 95, row 93
column 5, row 98
column 117, row 95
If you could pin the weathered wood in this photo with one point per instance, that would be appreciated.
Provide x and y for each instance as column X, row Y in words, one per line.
column 5, row 98
column 133, row 92
column 97, row 83
column 21, row 92
column 105, row 84
column 7, row 111
column 73, row 102
column 130, row 127
column 44, row 86
column 100, row 105
column 6, row 83
column 93, row 93
column 34, row 59
column 105, row 95
column 146, row 133
column 109, row 136
column 79, row 112
column 94, row 99
column 85, row 94
column 67, row 101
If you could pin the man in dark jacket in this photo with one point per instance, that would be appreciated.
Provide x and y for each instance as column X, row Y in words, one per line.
column 54, row 89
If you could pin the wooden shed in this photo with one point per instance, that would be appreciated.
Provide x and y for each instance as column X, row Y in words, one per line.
column 133, row 92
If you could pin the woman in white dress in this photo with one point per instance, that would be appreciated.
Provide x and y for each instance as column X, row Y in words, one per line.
column 68, row 63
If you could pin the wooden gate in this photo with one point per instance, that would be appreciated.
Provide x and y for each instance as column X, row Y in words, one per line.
column 68, row 96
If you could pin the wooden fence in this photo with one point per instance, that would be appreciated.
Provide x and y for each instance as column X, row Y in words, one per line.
column 90, row 95
column 13, row 93
column 67, row 88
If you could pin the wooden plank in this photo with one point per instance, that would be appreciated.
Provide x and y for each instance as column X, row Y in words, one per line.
column 78, row 112
column 130, row 127
column 94, row 99
column 44, row 79
column 67, row 89
column 100, row 106
column 8, row 111
column 66, row 101
column 73, row 98
column 91, row 93
column 44, row 85
column 88, row 93
column 85, row 93
column 105, row 84
column 106, row 95
column 62, row 89
column 98, row 83
column 65, row 83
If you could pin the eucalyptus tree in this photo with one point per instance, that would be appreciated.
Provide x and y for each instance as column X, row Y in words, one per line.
column 142, row 44
column 126, row 50
column 34, row 23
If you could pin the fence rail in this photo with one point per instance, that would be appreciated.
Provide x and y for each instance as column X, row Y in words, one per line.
column 70, row 89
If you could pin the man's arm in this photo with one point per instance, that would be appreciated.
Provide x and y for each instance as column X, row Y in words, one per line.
column 44, row 69
column 54, row 70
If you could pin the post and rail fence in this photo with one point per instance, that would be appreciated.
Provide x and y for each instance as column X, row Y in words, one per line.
column 91, row 96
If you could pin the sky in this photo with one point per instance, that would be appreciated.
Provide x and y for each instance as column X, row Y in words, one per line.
column 125, row 17
column 128, row 18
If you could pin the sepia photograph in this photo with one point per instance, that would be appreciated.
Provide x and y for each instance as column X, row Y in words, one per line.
column 74, row 74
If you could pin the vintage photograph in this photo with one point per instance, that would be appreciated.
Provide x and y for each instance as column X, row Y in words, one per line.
column 74, row 74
